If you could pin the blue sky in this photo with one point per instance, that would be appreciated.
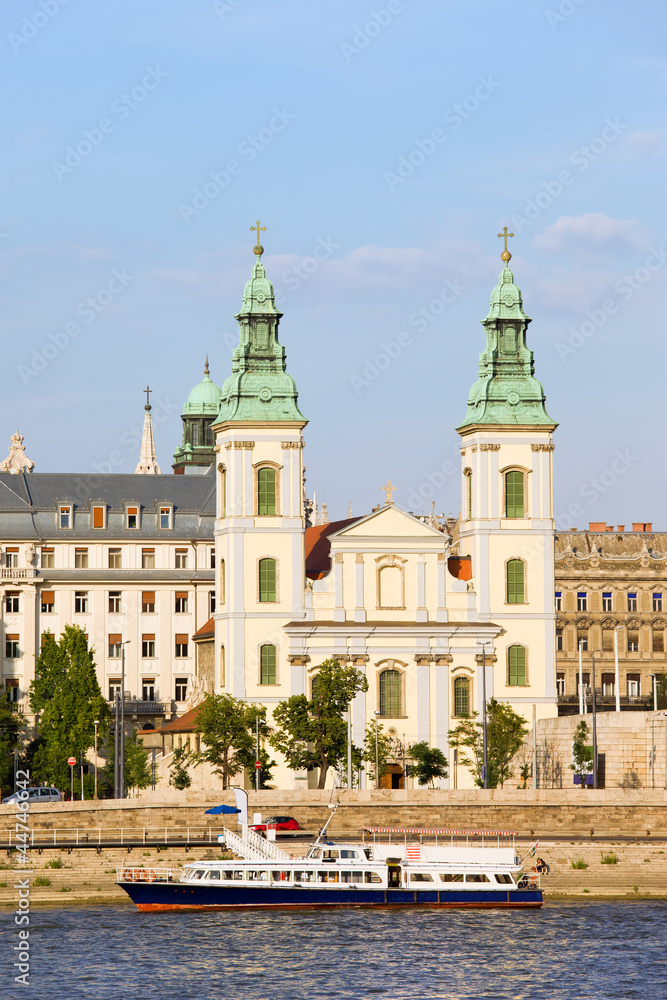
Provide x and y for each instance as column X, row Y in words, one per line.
column 383, row 145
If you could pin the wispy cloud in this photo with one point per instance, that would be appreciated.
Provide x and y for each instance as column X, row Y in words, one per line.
column 592, row 231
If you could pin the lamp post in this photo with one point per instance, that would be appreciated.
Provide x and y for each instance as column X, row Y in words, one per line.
column 116, row 762
column 582, row 700
column 121, row 776
column 377, row 752
column 96, row 724
column 349, row 745
column 595, row 732
column 617, row 680
column 485, row 772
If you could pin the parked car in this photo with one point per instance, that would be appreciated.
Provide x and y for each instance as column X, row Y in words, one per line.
column 38, row 796
column 281, row 823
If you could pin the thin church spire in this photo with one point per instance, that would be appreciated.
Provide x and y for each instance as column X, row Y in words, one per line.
column 148, row 464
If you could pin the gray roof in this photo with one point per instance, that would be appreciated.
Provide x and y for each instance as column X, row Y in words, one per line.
column 28, row 504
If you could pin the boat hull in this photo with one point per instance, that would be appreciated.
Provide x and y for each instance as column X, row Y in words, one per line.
column 162, row 896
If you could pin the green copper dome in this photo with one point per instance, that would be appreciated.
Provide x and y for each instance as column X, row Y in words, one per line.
column 259, row 388
column 506, row 391
column 204, row 400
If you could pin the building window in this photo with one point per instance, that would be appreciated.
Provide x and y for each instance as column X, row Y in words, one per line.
column 114, row 688
column 608, row 685
column 81, row 602
column 515, row 582
column 558, row 600
column 148, row 602
column 267, row 580
column 658, row 640
column 213, row 558
column 516, row 666
column 468, row 493
column 181, row 602
column 461, row 697
column 115, row 558
column 657, row 602
column 267, row 664
column 48, row 558
column 391, row 684
column 582, row 640
column 132, row 517
column 314, row 685
column 12, row 690
column 12, row 647
column 560, row 685
column 148, row 646
column 559, row 640
column 12, row 601
column 633, row 681
column 11, row 558
column 48, row 601
column 181, row 558
column 632, row 602
column 211, row 602
column 180, row 688
column 165, row 518
column 586, row 680
column 148, row 558
column 582, row 601
column 115, row 646
column 606, row 601
column 181, row 644
column 266, row 491
column 607, row 640
column 514, row 501
column 148, row 689
column 114, row 602
column 223, row 582
column 633, row 640
column 65, row 516
column 80, row 558
column 99, row 517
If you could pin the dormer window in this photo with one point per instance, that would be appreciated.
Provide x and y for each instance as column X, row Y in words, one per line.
column 99, row 516
column 165, row 518
column 65, row 516
column 132, row 517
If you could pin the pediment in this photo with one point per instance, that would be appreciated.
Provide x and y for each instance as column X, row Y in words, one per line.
column 390, row 522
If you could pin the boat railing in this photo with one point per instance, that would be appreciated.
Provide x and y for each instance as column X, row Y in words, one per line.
column 529, row 881
column 252, row 847
column 442, row 837
column 144, row 873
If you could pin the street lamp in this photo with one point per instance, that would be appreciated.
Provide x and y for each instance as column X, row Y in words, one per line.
column 595, row 732
column 485, row 771
column 96, row 724
column 377, row 752
column 121, row 776
column 617, row 681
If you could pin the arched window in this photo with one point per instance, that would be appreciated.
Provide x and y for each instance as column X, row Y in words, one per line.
column 222, row 666
column 267, row 580
column 516, row 666
column 266, row 491
column 223, row 583
column 514, row 498
column 516, row 588
column 267, row 664
column 313, row 687
column 461, row 696
column 391, row 685
column 468, row 493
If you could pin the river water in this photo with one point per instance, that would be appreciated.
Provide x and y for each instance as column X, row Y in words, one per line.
column 566, row 951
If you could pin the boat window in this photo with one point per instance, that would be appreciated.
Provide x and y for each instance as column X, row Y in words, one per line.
column 258, row 876
column 348, row 854
column 327, row 876
column 351, row 876
column 281, row 876
column 227, row 874
column 316, row 854
column 367, row 852
column 372, row 877
column 504, row 879
column 199, row 873
column 215, row 875
column 308, row 876
column 478, row 877
column 451, row 877
column 329, row 855
column 420, row 877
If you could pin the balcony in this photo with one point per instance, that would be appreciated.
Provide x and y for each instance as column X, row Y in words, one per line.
column 14, row 573
column 605, row 703
column 133, row 706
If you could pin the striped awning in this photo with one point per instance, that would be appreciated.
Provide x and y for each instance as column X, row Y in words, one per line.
column 435, row 830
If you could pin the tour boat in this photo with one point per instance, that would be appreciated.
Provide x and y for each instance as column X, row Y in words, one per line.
column 397, row 866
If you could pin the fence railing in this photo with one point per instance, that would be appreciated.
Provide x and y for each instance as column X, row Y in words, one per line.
column 113, row 836
column 142, row 873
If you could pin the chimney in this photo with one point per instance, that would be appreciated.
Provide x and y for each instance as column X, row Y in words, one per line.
column 641, row 526
column 621, row 527
column 597, row 525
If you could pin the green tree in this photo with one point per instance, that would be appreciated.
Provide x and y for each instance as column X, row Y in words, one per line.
column 506, row 731
column 137, row 764
column 429, row 763
column 67, row 698
column 389, row 747
column 582, row 753
column 313, row 733
column 179, row 776
column 227, row 728
column 12, row 728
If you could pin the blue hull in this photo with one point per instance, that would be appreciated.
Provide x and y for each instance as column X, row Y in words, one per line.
column 177, row 896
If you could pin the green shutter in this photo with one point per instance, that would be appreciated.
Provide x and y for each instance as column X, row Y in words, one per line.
column 267, row 656
column 461, row 696
column 267, row 579
column 266, row 491
column 515, row 582
column 390, row 693
column 514, row 504
column 516, row 666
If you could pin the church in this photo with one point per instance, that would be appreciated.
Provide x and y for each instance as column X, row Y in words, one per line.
column 214, row 578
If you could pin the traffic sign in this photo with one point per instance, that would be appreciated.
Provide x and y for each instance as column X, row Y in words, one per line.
column 258, row 763
column 71, row 761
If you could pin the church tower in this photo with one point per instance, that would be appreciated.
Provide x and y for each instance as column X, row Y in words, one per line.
column 196, row 454
column 259, row 534
column 506, row 523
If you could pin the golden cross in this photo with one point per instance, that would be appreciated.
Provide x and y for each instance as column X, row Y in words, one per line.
column 258, row 229
column 504, row 235
column 390, row 490
column 148, row 392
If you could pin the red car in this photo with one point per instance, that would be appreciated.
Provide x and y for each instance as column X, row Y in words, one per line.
column 287, row 823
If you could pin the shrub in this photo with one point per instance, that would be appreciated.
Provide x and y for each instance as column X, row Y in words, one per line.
column 579, row 863
column 609, row 859
column 65, row 888
column 54, row 863
column 42, row 880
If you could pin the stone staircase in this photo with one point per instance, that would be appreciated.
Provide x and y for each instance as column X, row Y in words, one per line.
column 641, row 869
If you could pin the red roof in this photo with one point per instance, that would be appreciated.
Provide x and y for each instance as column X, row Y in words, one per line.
column 184, row 724
column 206, row 630
column 318, row 546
